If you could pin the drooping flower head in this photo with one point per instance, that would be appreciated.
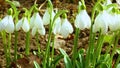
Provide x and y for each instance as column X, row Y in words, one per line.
column 114, row 24
column 49, row 13
column 7, row 23
column 24, row 24
column 36, row 24
column 101, row 22
column 57, row 26
column 46, row 17
column 82, row 20
column 66, row 27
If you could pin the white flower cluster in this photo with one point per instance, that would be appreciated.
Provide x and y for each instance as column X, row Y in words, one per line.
column 107, row 19
column 61, row 25
column 36, row 24
column 104, row 20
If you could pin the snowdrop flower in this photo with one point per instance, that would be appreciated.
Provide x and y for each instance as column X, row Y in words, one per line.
column 1, row 26
column 82, row 20
column 57, row 26
column 108, row 2
column 24, row 24
column 66, row 28
column 46, row 17
column 101, row 22
column 115, row 22
column 36, row 24
column 7, row 24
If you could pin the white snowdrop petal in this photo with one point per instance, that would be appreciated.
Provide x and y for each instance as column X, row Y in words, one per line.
column 19, row 25
column 1, row 27
column 53, row 14
column 34, row 29
column 118, row 18
column 113, row 23
column 57, row 26
column 66, row 28
column 82, row 20
column 46, row 18
column 101, row 22
column 10, row 26
column 38, row 21
column 5, row 21
column 77, row 22
column 32, row 21
column 64, row 32
column 108, row 2
column 25, row 25
column 41, row 31
column 68, row 25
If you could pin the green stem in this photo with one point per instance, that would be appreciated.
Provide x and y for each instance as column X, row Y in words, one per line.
column 75, row 46
column 15, row 46
column 9, row 47
column 117, row 61
column 99, row 48
column 27, row 43
column 115, row 46
column 111, row 43
column 52, row 50
column 38, row 45
column 48, row 43
column 47, row 49
column 5, row 48
column 90, row 50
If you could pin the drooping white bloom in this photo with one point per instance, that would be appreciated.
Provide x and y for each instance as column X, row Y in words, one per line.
column 108, row 2
column 82, row 20
column 1, row 26
column 7, row 24
column 57, row 26
column 24, row 24
column 115, row 22
column 101, row 22
column 66, row 28
column 36, row 24
column 46, row 17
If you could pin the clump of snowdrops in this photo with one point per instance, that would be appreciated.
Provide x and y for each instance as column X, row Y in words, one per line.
column 104, row 26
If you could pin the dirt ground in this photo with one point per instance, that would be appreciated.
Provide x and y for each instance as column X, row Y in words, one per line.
column 66, row 44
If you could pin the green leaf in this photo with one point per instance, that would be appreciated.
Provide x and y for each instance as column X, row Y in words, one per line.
column 67, row 61
column 104, row 62
column 111, row 5
column 80, row 56
column 81, row 60
column 36, row 64
column 118, row 65
column 78, row 64
column 99, row 7
column 63, row 52
column 118, row 50
column 57, row 58
column 108, row 38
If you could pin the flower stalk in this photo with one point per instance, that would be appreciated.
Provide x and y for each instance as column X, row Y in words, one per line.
column 75, row 46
